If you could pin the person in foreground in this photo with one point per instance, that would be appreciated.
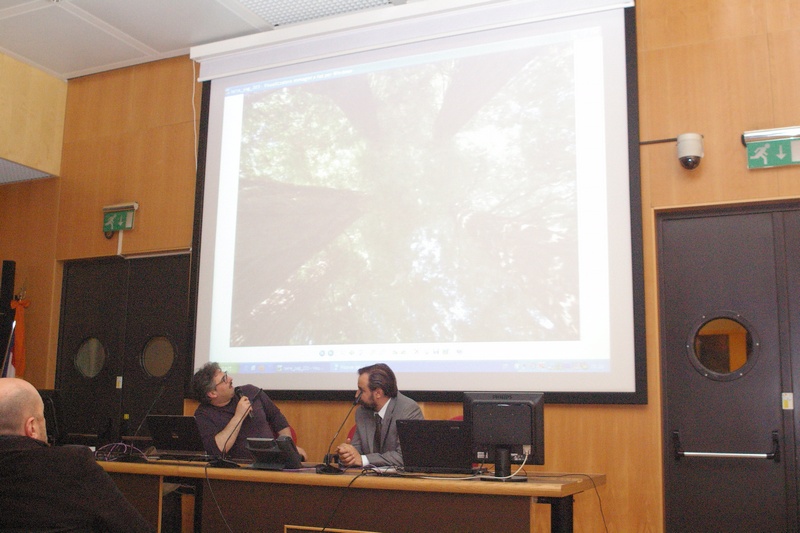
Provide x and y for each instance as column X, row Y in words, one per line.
column 227, row 416
column 381, row 405
column 52, row 488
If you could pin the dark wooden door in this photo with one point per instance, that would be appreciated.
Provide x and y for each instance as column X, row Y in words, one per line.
column 728, row 437
column 93, row 307
column 128, row 309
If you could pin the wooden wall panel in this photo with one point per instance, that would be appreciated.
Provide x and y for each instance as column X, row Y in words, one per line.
column 131, row 135
column 32, row 110
column 27, row 235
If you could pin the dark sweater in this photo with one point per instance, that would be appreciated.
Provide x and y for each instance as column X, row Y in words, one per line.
column 266, row 422
column 44, row 488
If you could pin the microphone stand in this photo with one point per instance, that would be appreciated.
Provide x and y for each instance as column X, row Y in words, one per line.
column 327, row 467
column 221, row 462
column 130, row 457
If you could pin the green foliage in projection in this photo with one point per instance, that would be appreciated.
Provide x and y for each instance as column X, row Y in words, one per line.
column 425, row 203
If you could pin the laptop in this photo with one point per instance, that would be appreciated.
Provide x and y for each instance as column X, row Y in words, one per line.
column 435, row 446
column 176, row 437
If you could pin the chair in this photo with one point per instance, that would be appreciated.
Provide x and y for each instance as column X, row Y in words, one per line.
column 351, row 433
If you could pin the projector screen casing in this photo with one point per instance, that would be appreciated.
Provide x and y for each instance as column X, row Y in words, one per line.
column 422, row 386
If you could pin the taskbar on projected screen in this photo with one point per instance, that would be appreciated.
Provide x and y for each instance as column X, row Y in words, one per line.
column 421, row 366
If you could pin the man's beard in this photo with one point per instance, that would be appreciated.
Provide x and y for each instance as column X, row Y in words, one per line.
column 371, row 406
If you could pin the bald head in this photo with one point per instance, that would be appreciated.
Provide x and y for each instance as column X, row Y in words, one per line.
column 21, row 409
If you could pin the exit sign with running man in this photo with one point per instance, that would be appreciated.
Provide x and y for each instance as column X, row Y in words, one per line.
column 773, row 153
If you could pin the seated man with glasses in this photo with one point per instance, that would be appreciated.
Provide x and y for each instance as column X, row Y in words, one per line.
column 228, row 416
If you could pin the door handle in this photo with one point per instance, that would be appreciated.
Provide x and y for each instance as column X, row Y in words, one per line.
column 774, row 455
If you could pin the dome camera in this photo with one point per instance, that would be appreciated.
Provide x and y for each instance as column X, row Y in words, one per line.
column 690, row 150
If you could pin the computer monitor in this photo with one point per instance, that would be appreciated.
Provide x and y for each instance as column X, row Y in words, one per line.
column 507, row 428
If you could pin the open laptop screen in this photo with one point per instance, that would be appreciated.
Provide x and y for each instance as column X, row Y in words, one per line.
column 435, row 446
column 175, row 435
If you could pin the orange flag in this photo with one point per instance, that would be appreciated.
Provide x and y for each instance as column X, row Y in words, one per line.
column 18, row 361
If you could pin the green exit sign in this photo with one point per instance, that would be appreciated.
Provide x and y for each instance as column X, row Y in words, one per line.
column 118, row 220
column 773, row 153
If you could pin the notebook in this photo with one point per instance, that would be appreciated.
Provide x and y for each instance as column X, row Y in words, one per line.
column 435, row 446
column 176, row 437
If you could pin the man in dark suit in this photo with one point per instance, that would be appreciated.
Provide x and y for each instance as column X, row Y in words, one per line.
column 52, row 488
column 381, row 405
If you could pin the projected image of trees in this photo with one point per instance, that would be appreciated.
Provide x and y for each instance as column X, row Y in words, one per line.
column 433, row 201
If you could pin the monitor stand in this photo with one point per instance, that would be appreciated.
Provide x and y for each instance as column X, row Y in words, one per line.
column 502, row 467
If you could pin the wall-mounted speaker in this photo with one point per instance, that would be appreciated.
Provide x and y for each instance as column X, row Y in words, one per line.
column 6, row 313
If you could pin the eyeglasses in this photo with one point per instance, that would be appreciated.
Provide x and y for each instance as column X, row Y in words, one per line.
column 223, row 380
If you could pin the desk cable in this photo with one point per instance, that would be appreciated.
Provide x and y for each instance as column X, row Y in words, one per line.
column 221, row 462
column 344, row 492
column 214, row 497
column 594, row 486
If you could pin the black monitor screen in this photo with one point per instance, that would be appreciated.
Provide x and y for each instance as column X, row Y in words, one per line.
column 507, row 428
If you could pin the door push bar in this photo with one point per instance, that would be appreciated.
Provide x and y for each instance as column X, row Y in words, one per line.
column 774, row 455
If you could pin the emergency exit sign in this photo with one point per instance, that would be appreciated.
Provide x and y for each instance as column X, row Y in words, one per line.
column 773, row 153
column 118, row 220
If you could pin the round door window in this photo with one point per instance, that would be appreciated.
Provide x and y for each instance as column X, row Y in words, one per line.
column 91, row 357
column 158, row 356
column 723, row 347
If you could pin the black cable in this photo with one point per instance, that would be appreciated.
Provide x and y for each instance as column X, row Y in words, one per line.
column 594, row 486
column 599, row 500
column 213, row 497
column 344, row 493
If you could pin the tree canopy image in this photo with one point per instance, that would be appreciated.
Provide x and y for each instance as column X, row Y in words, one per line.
column 429, row 202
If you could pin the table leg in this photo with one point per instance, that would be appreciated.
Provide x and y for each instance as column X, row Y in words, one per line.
column 561, row 510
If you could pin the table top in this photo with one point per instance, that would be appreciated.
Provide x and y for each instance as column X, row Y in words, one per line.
column 539, row 484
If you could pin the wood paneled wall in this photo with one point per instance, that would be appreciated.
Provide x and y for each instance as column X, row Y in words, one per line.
column 130, row 136
column 717, row 67
column 31, row 116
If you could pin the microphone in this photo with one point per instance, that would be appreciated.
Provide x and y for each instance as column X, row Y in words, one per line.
column 221, row 461
column 238, row 392
column 328, row 468
column 160, row 392
column 140, row 457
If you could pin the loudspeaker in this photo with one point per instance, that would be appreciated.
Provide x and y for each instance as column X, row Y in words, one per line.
column 6, row 313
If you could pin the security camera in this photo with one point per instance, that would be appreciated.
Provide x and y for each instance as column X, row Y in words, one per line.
column 690, row 150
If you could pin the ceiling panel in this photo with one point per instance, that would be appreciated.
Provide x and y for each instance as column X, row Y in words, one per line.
column 57, row 41
column 72, row 38
column 172, row 25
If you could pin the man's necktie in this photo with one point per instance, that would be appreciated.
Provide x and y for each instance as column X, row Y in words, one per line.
column 377, row 445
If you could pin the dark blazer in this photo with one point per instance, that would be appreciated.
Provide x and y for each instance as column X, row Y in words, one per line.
column 400, row 408
column 60, row 488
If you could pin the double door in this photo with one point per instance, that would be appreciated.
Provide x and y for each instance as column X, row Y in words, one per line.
column 124, row 345
column 729, row 296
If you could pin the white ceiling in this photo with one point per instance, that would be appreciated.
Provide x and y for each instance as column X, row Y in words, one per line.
column 71, row 38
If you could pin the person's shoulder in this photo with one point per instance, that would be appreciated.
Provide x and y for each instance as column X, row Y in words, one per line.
column 79, row 452
column 408, row 406
column 67, row 460
column 250, row 390
column 402, row 398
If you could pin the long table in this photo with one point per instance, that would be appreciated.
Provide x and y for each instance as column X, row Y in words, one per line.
column 243, row 499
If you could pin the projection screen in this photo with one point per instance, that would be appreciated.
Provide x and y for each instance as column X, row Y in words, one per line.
column 449, row 192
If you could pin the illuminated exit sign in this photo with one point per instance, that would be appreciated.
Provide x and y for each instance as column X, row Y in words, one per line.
column 118, row 220
column 773, row 153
